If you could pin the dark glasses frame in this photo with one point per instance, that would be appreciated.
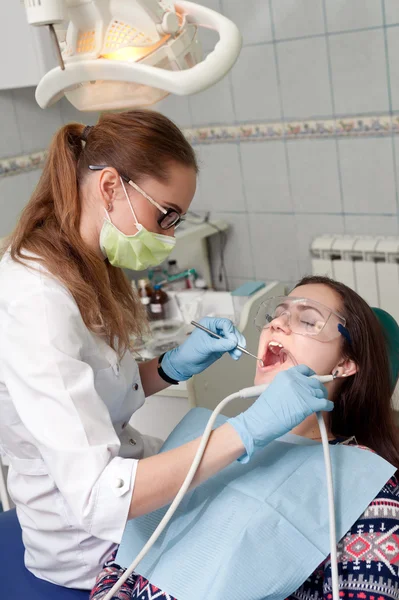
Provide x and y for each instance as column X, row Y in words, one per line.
column 176, row 219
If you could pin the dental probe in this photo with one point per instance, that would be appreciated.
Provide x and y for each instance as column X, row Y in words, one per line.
column 216, row 335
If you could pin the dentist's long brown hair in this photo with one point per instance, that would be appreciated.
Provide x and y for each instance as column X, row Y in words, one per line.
column 363, row 403
column 137, row 143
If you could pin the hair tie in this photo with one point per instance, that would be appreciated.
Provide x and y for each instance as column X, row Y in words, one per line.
column 85, row 133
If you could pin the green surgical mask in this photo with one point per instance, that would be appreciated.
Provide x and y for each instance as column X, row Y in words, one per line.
column 137, row 252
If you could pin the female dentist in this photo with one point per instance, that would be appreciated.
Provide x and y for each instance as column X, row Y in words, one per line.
column 110, row 197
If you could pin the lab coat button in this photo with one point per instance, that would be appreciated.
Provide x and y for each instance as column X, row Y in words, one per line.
column 135, row 387
column 117, row 368
column 119, row 483
column 132, row 442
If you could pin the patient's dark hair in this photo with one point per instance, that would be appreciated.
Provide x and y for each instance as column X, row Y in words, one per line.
column 362, row 404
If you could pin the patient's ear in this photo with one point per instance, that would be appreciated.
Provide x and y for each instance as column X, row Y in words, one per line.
column 345, row 368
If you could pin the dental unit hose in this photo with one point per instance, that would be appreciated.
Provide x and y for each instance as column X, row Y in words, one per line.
column 250, row 392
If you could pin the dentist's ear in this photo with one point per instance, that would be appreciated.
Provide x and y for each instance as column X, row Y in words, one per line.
column 345, row 368
column 109, row 181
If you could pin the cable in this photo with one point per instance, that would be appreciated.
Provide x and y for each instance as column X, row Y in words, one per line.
column 251, row 392
column 179, row 497
column 331, row 508
column 222, row 275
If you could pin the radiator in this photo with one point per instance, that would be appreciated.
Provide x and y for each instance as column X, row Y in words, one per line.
column 369, row 265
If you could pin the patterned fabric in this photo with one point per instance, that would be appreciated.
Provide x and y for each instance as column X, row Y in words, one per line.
column 368, row 561
column 134, row 588
column 368, row 556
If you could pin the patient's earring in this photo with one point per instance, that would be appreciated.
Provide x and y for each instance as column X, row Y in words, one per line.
column 109, row 207
column 336, row 374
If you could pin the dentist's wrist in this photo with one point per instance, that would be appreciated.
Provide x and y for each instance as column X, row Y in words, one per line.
column 238, row 423
column 167, row 371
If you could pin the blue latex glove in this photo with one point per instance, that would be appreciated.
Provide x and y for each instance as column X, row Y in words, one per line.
column 291, row 397
column 201, row 350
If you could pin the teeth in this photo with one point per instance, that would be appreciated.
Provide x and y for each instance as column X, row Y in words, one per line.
column 276, row 344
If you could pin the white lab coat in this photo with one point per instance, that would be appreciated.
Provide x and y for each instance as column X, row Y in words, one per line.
column 65, row 401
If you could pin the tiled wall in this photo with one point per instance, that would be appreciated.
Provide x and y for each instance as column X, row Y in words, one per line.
column 329, row 67
column 303, row 60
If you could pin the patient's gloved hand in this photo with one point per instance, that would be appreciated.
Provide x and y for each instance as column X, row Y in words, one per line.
column 201, row 350
column 291, row 397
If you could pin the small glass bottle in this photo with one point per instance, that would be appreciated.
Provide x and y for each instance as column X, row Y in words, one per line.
column 158, row 304
column 178, row 284
column 173, row 269
column 145, row 292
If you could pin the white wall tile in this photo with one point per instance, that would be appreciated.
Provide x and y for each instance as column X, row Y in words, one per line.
column 265, row 174
column 297, row 18
column 313, row 166
column 359, row 72
column 304, row 78
column 393, row 53
column 255, row 88
column 213, row 4
column 274, row 246
column 237, row 254
column 308, row 227
column 196, row 204
column 10, row 140
column 356, row 14
column 209, row 37
column 15, row 192
column 391, row 11
column 367, row 171
column 33, row 179
column 371, row 225
column 252, row 18
column 36, row 126
column 176, row 108
column 214, row 105
column 70, row 114
column 220, row 178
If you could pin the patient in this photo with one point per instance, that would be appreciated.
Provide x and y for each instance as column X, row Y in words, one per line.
column 328, row 327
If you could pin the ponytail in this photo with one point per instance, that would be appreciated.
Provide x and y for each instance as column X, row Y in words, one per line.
column 57, row 192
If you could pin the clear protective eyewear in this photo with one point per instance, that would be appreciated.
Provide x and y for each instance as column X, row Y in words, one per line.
column 303, row 317
column 170, row 216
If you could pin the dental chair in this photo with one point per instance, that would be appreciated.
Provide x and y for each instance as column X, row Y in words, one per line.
column 16, row 581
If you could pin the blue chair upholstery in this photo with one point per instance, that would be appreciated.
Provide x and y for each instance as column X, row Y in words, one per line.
column 16, row 581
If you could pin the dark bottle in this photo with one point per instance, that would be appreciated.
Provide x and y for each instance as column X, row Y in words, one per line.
column 158, row 304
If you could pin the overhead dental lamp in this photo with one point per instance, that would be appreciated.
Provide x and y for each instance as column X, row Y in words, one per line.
column 120, row 54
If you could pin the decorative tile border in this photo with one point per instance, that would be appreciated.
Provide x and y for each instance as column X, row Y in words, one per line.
column 22, row 164
column 353, row 127
column 251, row 132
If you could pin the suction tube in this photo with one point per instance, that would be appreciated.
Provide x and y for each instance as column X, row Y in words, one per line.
column 251, row 392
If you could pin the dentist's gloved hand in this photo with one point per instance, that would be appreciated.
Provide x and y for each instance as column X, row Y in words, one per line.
column 291, row 397
column 201, row 350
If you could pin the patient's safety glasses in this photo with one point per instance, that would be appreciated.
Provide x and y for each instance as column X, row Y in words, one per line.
column 303, row 317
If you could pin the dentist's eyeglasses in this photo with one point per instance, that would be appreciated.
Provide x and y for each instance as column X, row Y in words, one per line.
column 303, row 316
column 170, row 216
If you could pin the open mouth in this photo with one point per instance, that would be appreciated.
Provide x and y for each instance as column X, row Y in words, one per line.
column 275, row 355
